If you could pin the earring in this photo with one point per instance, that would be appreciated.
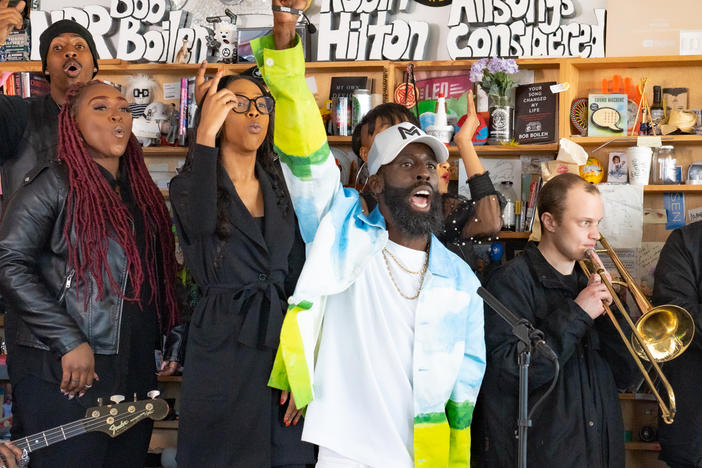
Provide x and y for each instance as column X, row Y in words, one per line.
column 362, row 174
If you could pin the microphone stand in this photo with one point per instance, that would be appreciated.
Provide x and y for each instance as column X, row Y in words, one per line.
column 529, row 337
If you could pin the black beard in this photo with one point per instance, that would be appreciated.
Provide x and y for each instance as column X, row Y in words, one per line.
column 408, row 220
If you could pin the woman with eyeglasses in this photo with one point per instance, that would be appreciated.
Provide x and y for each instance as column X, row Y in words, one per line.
column 240, row 240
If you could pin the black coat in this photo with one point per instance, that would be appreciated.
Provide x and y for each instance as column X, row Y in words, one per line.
column 678, row 280
column 580, row 422
column 228, row 415
column 45, row 309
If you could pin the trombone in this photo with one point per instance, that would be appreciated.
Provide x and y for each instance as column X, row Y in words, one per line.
column 661, row 334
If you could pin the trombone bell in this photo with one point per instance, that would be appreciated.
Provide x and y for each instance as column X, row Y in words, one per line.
column 666, row 331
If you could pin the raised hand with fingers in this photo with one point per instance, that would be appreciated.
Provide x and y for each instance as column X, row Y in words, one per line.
column 202, row 84
column 10, row 18
column 464, row 136
column 214, row 111
column 285, row 16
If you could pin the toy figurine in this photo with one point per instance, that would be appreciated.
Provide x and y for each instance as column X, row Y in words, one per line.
column 223, row 38
column 140, row 92
column 158, row 115
column 183, row 55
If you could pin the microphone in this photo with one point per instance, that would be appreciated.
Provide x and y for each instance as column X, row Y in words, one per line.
column 310, row 27
column 534, row 336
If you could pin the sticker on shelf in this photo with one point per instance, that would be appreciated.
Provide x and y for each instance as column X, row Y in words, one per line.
column 560, row 87
column 171, row 90
column 650, row 141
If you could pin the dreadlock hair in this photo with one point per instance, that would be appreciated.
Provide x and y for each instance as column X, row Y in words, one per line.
column 265, row 156
column 95, row 213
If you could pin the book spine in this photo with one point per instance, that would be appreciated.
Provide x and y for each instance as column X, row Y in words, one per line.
column 26, row 89
column 17, row 81
column 531, row 209
column 183, row 112
column 192, row 105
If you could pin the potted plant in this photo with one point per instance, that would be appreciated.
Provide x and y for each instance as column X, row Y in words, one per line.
column 495, row 77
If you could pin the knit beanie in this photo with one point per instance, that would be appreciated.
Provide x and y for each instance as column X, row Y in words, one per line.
column 61, row 27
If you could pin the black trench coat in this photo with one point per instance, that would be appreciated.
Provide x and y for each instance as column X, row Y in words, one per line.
column 229, row 417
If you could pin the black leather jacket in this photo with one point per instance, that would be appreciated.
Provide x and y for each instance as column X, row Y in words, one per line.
column 44, row 302
column 37, row 144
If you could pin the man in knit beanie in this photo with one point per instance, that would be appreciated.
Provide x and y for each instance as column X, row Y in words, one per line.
column 28, row 127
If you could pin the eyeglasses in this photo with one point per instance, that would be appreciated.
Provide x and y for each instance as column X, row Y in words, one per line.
column 264, row 104
column 140, row 92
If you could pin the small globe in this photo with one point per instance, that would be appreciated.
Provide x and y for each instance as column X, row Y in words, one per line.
column 592, row 171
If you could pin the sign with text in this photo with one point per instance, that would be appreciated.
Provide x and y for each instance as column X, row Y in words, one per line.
column 387, row 30
column 127, row 22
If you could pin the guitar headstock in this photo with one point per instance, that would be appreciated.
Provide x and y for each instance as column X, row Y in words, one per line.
column 114, row 419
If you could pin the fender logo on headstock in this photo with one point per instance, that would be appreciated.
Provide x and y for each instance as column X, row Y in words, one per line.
column 115, row 428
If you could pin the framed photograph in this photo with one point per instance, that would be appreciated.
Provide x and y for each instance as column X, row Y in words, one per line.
column 617, row 170
column 246, row 35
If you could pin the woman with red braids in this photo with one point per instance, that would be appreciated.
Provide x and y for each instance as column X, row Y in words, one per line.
column 87, row 270
column 240, row 240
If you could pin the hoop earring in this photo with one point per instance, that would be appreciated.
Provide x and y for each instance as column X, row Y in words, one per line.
column 358, row 173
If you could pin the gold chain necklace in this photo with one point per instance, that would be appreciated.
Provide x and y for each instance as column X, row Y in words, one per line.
column 421, row 273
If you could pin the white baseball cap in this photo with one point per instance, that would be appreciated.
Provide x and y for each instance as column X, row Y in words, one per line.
column 390, row 142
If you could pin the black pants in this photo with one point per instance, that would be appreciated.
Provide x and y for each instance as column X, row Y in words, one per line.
column 39, row 405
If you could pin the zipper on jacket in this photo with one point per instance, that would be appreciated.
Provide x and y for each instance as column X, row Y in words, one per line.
column 66, row 285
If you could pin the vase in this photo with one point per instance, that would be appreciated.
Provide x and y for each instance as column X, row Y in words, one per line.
column 501, row 119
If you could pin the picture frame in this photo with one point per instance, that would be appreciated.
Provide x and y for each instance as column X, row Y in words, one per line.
column 246, row 35
column 617, row 169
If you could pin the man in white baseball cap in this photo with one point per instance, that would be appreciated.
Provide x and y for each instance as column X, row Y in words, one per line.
column 402, row 164
column 383, row 337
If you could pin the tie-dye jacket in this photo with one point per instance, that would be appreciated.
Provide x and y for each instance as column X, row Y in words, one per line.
column 449, row 349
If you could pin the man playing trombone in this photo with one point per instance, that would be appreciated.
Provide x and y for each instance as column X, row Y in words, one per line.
column 580, row 423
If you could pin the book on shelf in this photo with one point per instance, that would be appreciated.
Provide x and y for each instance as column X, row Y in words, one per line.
column 535, row 108
column 346, row 85
column 25, row 84
column 451, row 86
column 531, row 184
column 16, row 47
column 607, row 114
column 192, row 105
column 183, row 112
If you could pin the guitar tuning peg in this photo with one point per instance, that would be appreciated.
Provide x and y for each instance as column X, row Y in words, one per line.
column 100, row 401
column 153, row 394
column 117, row 399
column 135, row 397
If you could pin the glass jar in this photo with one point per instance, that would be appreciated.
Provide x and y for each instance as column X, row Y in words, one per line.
column 501, row 125
column 663, row 170
column 508, row 212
